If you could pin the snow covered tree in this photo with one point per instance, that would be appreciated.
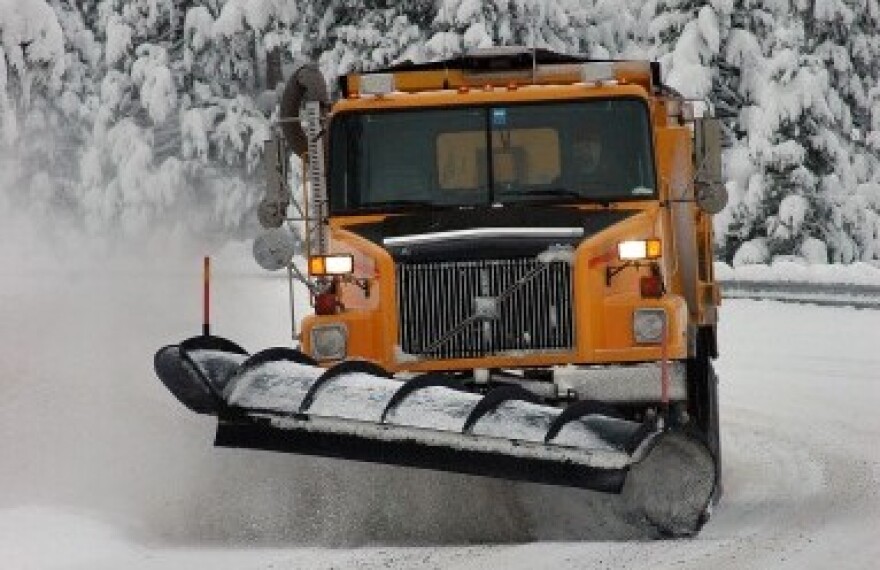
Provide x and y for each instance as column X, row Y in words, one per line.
column 688, row 36
column 802, row 193
column 860, row 212
column 125, row 112
column 617, row 29
column 32, row 62
column 356, row 36
column 462, row 25
column 31, row 59
column 178, row 125
column 561, row 25
column 782, row 78
column 567, row 26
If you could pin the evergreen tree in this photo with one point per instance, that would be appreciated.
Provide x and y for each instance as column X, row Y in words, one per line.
column 616, row 29
column 462, row 25
column 32, row 64
column 861, row 212
column 31, row 61
column 356, row 36
column 566, row 26
column 124, row 112
column 789, row 139
column 688, row 36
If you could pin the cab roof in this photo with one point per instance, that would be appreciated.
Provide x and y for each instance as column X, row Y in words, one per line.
column 501, row 66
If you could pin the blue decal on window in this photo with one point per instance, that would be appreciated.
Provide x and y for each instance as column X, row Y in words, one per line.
column 499, row 117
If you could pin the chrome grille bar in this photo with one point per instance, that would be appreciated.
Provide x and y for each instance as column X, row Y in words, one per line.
column 531, row 310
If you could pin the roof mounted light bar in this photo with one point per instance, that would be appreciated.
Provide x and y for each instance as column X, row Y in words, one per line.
column 498, row 66
column 377, row 83
column 597, row 72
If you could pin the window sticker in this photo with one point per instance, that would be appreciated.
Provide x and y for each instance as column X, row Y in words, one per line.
column 499, row 117
column 641, row 191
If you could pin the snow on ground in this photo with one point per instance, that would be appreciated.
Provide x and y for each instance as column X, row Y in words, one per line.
column 101, row 468
column 798, row 271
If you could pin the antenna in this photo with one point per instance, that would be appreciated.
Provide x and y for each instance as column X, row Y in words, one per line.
column 532, row 47
column 446, row 35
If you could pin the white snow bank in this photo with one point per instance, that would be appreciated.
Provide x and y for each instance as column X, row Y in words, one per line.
column 40, row 538
column 796, row 271
column 752, row 252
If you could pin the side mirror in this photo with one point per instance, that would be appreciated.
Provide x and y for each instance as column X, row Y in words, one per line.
column 711, row 193
column 712, row 198
column 274, row 248
column 273, row 208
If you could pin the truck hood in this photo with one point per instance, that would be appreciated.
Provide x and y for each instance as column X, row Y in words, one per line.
column 485, row 233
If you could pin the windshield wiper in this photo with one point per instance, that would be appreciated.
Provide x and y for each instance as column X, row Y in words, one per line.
column 557, row 193
column 400, row 203
column 564, row 192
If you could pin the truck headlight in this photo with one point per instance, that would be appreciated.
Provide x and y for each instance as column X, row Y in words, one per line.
column 329, row 342
column 649, row 325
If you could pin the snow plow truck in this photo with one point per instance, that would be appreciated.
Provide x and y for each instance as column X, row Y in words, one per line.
column 509, row 259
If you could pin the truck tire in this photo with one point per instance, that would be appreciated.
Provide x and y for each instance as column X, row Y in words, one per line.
column 702, row 386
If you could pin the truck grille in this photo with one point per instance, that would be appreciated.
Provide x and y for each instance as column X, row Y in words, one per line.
column 470, row 309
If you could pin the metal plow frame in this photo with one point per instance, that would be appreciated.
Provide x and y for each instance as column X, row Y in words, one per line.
column 418, row 447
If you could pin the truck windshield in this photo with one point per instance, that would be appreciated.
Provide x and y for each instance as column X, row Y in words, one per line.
column 592, row 150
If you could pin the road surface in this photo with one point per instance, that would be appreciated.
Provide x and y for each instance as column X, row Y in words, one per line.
column 102, row 469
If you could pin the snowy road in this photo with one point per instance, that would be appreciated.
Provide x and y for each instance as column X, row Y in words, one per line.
column 100, row 468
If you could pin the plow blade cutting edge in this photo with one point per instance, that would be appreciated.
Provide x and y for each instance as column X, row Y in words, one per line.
column 280, row 400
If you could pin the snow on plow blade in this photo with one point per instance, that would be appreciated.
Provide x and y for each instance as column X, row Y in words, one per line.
column 279, row 400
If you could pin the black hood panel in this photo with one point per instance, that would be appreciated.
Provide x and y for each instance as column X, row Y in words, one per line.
column 477, row 248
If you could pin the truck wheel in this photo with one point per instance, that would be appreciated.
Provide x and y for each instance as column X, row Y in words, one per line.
column 702, row 385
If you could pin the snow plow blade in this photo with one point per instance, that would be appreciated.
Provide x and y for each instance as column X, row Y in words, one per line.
column 279, row 400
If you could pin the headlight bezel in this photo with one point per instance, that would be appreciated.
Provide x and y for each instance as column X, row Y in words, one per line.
column 338, row 348
column 649, row 325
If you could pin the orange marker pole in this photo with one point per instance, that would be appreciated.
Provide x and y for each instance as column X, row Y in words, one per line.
column 206, row 297
column 664, row 373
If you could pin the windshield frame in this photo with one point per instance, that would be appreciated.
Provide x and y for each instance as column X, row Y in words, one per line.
column 550, row 199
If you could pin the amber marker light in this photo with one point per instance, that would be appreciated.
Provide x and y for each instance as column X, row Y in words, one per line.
column 654, row 249
column 322, row 265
